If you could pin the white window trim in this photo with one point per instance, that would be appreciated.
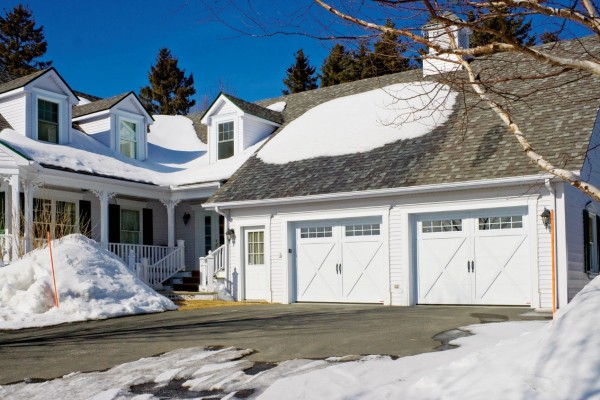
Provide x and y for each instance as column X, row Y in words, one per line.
column 234, row 140
column 594, row 261
column 140, row 131
column 61, row 100
column 133, row 205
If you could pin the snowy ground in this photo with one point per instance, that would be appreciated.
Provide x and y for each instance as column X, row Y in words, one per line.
column 92, row 284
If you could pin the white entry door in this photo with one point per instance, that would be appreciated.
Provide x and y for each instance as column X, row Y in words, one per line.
column 341, row 261
column 256, row 274
column 480, row 257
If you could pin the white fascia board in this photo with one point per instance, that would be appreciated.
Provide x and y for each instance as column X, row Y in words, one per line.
column 12, row 92
column 89, row 182
column 92, row 115
column 443, row 187
column 197, row 191
column 219, row 100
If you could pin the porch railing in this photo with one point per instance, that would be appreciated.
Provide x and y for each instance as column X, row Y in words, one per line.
column 6, row 245
column 152, row 264
column 211, row 265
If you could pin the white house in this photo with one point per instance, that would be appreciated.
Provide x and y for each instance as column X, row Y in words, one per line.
column 108, row 169
column 402, row 190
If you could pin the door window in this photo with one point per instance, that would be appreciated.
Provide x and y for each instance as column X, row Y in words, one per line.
column 256, row 248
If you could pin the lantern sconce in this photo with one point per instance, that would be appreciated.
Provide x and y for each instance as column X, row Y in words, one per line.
column 186, row 218
column 230, row 235
column 545, row 215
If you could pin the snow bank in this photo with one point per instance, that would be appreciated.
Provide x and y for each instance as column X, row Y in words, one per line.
column 92, row 284
column 362, row 122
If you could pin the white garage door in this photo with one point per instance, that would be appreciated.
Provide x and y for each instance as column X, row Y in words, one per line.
column 474, row 258
column 341, row 261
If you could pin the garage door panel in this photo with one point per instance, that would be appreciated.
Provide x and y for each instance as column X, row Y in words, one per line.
column 364, row 275
column 317, row 276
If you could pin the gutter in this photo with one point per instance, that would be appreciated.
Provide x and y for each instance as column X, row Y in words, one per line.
column 443, row 187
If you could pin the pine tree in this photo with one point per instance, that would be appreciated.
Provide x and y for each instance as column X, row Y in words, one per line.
column 300, row 75
column 338, row 67
column 170, row 90
column 21, row 43
column 501, row 21
column 387, row 57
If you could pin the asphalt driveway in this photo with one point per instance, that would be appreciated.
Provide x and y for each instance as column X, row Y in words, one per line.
column 276, row 332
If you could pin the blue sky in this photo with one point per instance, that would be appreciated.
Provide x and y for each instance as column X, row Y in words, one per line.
column 107, row 47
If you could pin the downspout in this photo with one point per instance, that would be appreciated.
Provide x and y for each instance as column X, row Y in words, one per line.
column 548, row 185
column 226, row 228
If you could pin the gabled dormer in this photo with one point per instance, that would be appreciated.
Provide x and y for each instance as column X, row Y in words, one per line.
column 39, row 106
column 235, row 124
column 120, row 123
column 446, row 36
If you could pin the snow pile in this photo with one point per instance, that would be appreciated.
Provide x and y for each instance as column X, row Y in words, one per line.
column 362, row 122
column 279, row 106
column 92, row 284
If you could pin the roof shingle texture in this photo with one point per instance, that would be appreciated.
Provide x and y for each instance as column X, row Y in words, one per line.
column 556, row 113
column 256, row 109
column 21, row 81
column 4, row 123
column 99, row 105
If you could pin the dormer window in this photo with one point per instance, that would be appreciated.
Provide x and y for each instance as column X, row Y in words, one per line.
column 128, row 138
column 47, row 121
column 225, row 141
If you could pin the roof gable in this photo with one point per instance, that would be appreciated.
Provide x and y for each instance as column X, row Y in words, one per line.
column 243, row 106
column 109, row 103
column 54, row 82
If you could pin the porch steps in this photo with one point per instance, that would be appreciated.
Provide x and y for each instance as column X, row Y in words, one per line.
column 185, row 281
column 185, row 295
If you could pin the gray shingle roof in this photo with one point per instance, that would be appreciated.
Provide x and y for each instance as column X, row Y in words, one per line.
column 4, row 123
column 557, row 114
column 20, row 82
column 201, row 130
column 256, row 109
column 99, row 105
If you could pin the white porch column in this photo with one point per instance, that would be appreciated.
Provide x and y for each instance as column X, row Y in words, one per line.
column 104, row 196
column 170, row 205
column 28, row 213
column 15, row 215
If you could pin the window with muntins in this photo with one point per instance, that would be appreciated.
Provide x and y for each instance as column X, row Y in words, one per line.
column 316, row 232
column 256, row 248
column 65, row 219
column 47, row 121
column 130, row 226
column 363, row 230
column 441, row 225
column 128, row 138
column 225, row 140
column 509, row 222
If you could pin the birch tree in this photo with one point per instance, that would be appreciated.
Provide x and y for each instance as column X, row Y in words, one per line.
column 552, row 17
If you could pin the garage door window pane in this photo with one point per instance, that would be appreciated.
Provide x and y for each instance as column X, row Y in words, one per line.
column 256, row 248
column 316, row 232
column 441, row 225
column 509, row 222
column 363, row 230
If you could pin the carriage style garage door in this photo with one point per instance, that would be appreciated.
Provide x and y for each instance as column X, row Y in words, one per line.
column 474, row 258
column 341, row 261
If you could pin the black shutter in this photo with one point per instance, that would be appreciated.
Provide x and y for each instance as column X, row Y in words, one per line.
column 85, row 218
column 114, row 223
column 22, row 213
column 2, row 212
column 586, row 241
column 596, row 267
column 147, row 237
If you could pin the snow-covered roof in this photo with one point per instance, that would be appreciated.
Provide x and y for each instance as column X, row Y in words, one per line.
column 175, row 155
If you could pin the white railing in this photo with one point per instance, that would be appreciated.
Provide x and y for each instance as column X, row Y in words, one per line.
column 6, row 245
column 151, row 269
column 211, row 265
column 139, row 251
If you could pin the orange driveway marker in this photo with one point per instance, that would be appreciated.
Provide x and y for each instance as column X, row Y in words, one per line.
column 53, row 275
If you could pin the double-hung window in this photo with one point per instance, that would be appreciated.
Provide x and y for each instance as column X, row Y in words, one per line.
column 130, row 226
column 128, row 138
column 590, row 242
column 47, row 121
column 225, row 140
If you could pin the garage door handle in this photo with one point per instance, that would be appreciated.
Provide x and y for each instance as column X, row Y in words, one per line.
column 337, row 268
column 468, row 266
column 472, row 266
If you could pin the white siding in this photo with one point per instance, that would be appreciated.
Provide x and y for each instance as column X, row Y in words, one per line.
column 254, row 131
column 6, row 160
column 98, row 128
column 575, row 202
column 396, row 246
column 278, row 267
column 13, row 110
column 544, row 249
column 129, row 105
column 48, row 82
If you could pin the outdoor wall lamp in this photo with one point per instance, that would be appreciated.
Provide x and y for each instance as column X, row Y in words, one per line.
column 545, row 215
column 186, row 218
column 230, row 235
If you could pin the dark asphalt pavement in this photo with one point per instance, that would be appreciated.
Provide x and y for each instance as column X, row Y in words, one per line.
column 276, row 332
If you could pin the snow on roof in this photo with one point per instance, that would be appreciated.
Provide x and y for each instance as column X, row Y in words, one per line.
column 92, row 283
column 175, row 155
column 362, row 122
column 279, row 106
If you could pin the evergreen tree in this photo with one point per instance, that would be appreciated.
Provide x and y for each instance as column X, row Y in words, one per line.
column 334, row 68
column 549, row 37
column 170, row 90
column 21, row 43
column 512, row 25
column 300, row 75
column 387, row 57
